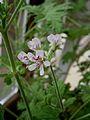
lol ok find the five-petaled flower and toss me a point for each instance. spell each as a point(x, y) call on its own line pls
point(36, 60)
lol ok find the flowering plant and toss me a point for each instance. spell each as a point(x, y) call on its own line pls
point(44, 94)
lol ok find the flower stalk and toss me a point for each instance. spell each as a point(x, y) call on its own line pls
point(57, 90)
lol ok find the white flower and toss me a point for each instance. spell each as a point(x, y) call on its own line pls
point(34, 44)
point(38, 61)
point(22, 56)
point(87, 55)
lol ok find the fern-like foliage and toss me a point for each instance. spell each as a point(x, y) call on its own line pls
point(50, 14)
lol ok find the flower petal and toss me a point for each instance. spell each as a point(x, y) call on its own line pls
point(51, 38)
point(37, 42)
point(63, 35)
point(40, 53)
point(31, 56)
point(47, 63)
point(41, 70)
point(32, 67)
point(34, 44)
point(62, 43)
point(22, 56)
point(30, 45)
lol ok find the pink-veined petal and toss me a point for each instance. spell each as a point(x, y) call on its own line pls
point(22, 56)
point(32, 67)
point(41, 70)
point(47, 63)
point(31, 57)
point(40, 53)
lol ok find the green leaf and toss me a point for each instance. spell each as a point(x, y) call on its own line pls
point(20, 105)
point(69, 102)
point(85, 93)
point(8, 78)
point(44, 112)
point(61, 86)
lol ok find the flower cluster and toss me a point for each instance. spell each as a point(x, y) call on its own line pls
point(58, 39)
point(39, 59)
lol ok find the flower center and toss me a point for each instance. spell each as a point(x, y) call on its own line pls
point(38, 60)
point(25, 57)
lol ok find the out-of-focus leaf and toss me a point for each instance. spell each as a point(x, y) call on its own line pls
point(69, 102)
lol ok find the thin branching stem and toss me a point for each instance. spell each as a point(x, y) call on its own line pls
point(57, 90)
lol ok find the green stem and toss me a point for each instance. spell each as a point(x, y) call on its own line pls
point(79, 110)
point(11, 59)
point(57, 90)
point(87, 115)
point(14, 13)
point(9, 111)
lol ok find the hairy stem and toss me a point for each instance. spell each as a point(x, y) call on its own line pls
point(11, 59)
point(57, 90)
